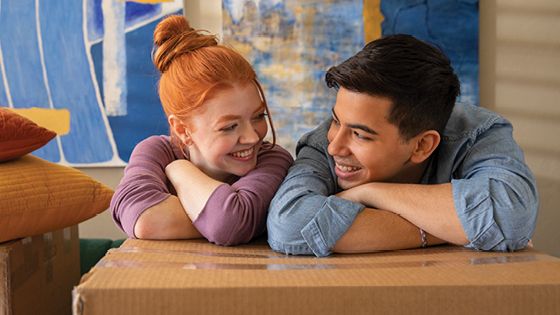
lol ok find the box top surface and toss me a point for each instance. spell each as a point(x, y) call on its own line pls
point(199, 264)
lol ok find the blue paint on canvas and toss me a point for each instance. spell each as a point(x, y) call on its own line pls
point(64, 60)
point(53, 66)
point(292, 44)
point(71, 84)
point(23, 70)
point(451, 25)
point(134, 13)
point(27, 86)
point(3, 96)
point(144, 106)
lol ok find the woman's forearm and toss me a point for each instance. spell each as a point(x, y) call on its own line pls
point(165, 220)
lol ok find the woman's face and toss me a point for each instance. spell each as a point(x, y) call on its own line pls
point(227, 135)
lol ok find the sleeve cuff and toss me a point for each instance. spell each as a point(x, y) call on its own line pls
point(474, 209)
point(329, 224)
point(489, 239)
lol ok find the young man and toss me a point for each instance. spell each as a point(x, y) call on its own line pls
point(400, 166)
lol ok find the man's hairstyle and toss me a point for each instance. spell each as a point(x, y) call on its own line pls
point(415, 76)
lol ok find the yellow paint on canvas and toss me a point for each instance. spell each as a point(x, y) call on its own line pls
point(284, 72)
point(372, 20)
point(57, 120)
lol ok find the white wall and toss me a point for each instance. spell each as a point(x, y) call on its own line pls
point(519, 78)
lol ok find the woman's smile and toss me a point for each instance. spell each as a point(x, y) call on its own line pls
point(244, 155)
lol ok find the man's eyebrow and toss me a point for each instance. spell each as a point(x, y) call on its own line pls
point(357, 126)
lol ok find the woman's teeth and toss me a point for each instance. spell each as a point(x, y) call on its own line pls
point(242, 154)
point(347, 169)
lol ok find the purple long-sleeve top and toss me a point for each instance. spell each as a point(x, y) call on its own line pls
point(234, 213)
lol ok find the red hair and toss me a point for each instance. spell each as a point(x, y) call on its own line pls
point(193, 66)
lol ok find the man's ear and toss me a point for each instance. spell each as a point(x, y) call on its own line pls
point(425, 144)
point(180, 129)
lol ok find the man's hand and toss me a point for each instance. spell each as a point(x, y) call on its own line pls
point(352, 194)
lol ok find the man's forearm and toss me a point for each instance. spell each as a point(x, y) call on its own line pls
point(376, 230)
point(429, 207)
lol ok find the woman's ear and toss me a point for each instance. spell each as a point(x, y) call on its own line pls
point(180, 129)
point(426, 143)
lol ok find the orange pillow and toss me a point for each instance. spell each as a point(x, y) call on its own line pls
point(37, 196)
point(19, 135)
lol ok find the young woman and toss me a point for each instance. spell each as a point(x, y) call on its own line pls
point(214, 176)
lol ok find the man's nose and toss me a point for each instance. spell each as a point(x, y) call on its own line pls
point(338, 145)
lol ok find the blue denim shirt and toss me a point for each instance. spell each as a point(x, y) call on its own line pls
point(494, 191)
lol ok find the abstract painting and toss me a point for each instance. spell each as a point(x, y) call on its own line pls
point(83, 67)
point(451, 25)
point(292, 43)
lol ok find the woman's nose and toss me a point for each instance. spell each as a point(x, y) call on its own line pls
point(249, 135)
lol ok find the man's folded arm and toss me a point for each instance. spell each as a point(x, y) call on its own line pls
point(496, 193)
point(490, 204)
point(377, 230)
point(306, 217)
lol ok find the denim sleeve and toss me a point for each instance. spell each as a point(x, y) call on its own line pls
point(496, 196)
point(304, 217)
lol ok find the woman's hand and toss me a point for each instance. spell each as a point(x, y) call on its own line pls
point(193, 187)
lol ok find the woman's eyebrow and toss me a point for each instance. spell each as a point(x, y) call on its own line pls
point(227, 118)
point(259, 109)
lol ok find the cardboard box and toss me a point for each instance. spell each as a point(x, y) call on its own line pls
point(195, 277)
point(37, 273)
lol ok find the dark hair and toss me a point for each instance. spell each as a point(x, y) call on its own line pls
point(415, 76)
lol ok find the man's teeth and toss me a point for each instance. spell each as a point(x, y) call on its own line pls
point(347, 169)
point(242, 154)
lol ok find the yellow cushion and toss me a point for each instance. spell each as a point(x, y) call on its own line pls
point(37, 196)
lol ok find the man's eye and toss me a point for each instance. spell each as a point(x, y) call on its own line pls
point(361, 137)
point(336, 122)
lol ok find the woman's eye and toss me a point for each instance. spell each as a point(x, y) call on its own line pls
point(229, 128)
point(260, 116)
point(336, 122)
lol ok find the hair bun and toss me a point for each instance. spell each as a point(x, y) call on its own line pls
point(173, 37)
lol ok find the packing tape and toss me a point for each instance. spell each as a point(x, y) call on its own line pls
point(22, 270)
point(49, 248)
point(196, 252)
point(114, 263)
point(50, 253)
point(67, 239)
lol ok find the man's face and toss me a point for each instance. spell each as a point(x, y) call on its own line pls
point(365, 146)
